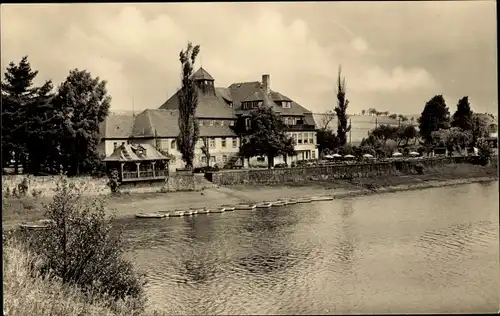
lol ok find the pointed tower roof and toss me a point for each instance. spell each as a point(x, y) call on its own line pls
point(202, 74)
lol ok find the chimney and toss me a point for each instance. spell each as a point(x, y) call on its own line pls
point(266, 83)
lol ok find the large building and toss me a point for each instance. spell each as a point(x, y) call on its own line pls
point(217, 111)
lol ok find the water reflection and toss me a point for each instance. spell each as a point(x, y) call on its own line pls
point(422, 251)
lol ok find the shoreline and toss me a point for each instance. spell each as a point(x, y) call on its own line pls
point(126, 206)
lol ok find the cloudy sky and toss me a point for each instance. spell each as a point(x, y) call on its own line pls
point(395, 55)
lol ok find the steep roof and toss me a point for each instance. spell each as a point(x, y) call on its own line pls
point(224, 93)
point(117, 126)
point(165, 123)
point(253, 91)
point(128, 152)
point(209, 106)
point(202, 74)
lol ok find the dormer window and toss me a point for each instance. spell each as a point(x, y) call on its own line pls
point(286, 104)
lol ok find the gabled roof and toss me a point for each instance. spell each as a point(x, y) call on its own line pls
point(116, 126)
point(163, 122)
point(209, 106)
point(224, 93)
point(253, 91)
point(202, 74)
point(128, 152)
point(166, 125)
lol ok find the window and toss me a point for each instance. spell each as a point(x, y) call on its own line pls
point(224, 158)
point(222, 123)
point(306, 138)
point(299, 136)
point(123, 143)
point(212, 159)
point(294, 138)
point(115, 144)
point(172, 144)
point(204, 159)
point(286, 104)
point(212, 143)
point(231, 123)
point(311, 138)
point(235, 142)
point(313, 154)
point(200, 122)
point(247, 122)
point(260, 103)
point(260, 159)
point(211, 122)
point(223, 142)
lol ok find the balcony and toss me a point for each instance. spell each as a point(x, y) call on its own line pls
point(301, 127)
point(130, 176)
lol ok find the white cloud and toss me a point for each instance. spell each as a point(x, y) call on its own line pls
point(399, 79)
point(137, 53)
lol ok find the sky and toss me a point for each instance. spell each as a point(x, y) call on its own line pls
point(395, 56)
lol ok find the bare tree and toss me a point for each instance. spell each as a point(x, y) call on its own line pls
point(326, 119)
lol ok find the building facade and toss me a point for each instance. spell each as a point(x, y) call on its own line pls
point(217, 111)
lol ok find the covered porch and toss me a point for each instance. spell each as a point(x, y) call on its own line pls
point(138, 163)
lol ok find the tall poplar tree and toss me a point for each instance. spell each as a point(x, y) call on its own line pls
point(188, 100)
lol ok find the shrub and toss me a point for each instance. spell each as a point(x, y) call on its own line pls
point(7, 193)
point(36, 193)
point(22, 188)
point(419, 168)
point(114, 181)
point(80, 248)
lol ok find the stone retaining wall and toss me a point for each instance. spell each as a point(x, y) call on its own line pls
point(45, 185)
point(340, 171)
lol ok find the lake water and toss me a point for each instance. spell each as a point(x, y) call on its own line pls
point(426, 251)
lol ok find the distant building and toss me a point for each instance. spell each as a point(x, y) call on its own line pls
point(217, 111)
point(361, 125)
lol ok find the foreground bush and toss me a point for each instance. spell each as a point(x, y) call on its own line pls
point(80, 249)
point(27, 292)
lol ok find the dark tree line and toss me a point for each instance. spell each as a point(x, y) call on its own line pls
point(46, 131)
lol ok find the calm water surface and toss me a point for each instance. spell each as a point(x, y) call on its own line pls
point(425, 251)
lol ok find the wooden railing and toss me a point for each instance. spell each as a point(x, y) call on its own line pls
point(144, 175)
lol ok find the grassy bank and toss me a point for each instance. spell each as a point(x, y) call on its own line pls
point(27, 294)
point(127, 205)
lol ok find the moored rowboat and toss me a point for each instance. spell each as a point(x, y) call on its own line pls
point(245, 207)
point(303, 200)
point(263, 205)
point(278, 203)
point(150, 215)
point(321, 198)
point(218, 210)
point(177, 214)
point(228, 207)
point(33, 226)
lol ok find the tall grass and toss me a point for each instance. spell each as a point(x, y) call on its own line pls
point(26, 292)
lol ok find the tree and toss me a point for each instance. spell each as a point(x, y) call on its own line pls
point(188, 100)
point(363, 112)
point(406, 133)
point(393, 116)
point(385, 132)
point(327, 140)
point(326, 119)
point(82, 103)
point(20, 99)
point(453, 139)
point(205, 149)
point(266, 136)
point(81, 247)
point(341, 110)
point(479, 129)
point(462, 117)
point(434, 117)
